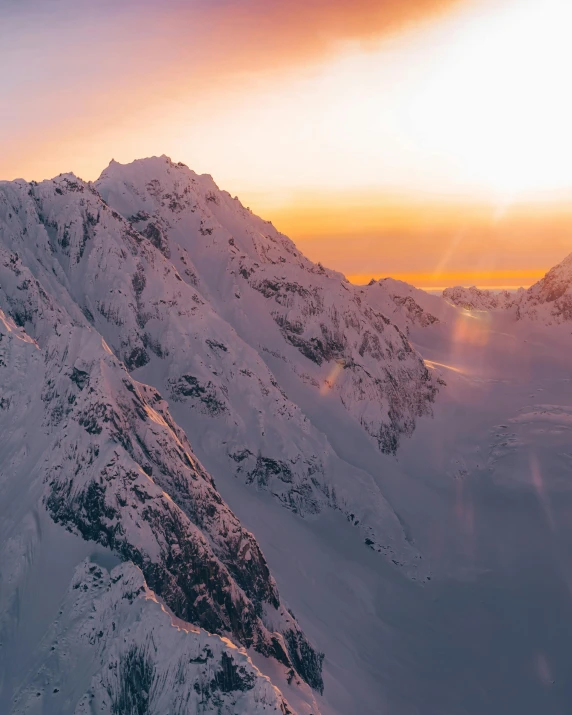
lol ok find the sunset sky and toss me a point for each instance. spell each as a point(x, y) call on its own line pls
point(424, 139)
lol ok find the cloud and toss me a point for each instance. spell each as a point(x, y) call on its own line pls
point(99, 74)
point(259, 35)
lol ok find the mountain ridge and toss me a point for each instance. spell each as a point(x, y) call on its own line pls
point(549, 300)
point(102, 314)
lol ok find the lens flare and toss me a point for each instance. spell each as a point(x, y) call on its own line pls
point(332, 377)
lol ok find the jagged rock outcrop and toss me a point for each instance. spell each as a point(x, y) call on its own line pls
point(110, 465)
point(137, 658)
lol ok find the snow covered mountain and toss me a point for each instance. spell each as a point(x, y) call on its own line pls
point(278, 301)
point(548, 301)
point(136, 657)
point(474, 298)
point(204, 433)
point(153, 282)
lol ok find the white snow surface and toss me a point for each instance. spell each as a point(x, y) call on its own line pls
point(406, 305)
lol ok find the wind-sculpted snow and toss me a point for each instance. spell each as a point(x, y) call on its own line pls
point(115, 649)
point(68, 258)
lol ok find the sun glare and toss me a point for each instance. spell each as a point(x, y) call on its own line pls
point(432, 140)
point(473, 104)
point(495, 99)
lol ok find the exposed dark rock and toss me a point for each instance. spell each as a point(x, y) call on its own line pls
point(188, 386)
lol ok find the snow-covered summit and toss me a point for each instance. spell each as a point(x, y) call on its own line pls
point(208, 303)
point(273, 296)
point(305, 324)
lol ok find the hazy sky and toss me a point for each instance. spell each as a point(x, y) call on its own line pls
point(427, 139)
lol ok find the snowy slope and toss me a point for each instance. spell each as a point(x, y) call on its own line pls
point(484, 488)
point(102, 455)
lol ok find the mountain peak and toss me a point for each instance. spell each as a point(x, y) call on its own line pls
point(163, 317)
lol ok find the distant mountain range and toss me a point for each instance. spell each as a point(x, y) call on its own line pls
point(548, 300)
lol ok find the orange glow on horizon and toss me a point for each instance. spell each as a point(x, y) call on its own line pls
point(430, 245)
point(432, 282)
point(420, 140)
